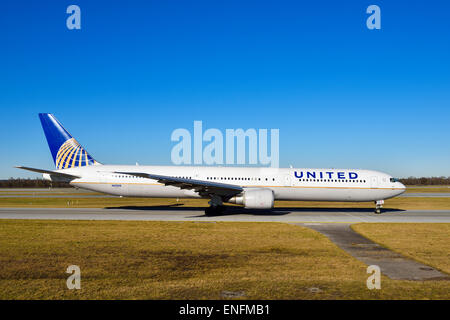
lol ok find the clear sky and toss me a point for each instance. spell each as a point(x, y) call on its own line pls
point(342, 96)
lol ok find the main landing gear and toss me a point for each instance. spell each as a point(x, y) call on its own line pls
point(216, 205)
point(378, 206)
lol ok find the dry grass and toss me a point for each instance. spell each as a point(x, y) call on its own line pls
point(428, 243)
point(169, 260)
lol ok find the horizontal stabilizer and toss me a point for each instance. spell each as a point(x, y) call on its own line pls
point(53, 173)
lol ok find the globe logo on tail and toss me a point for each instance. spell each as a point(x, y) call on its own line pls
point(71, 154)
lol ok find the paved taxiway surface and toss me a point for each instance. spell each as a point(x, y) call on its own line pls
point(62, 195)
point(392, 264)
point(172, 213)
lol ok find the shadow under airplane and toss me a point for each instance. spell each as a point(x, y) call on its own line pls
point(232, 210)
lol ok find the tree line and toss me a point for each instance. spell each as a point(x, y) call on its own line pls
point(41, 183)
point(426, 181)
point(32, 183)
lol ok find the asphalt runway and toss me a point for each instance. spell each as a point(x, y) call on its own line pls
point(30, 194)
point(174, 213)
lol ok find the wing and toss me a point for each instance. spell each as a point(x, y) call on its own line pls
point(53, 173)
point(204, 188)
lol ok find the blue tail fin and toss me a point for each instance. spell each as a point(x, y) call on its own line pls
point(66, 151)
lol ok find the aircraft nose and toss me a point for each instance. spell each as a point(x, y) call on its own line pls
point(402, 187)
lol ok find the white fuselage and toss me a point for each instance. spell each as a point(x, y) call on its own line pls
point(286, 183)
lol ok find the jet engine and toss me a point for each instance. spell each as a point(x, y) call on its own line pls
point(255, 199)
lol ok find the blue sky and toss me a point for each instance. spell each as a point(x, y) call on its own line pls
point(341, 95)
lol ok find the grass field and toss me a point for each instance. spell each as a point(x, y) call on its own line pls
point(170, 260)
point(416, 203)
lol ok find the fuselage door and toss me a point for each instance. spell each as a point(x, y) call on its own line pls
point(288, 180)
point(374, 182)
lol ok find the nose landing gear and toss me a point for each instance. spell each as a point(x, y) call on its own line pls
point(378, 206)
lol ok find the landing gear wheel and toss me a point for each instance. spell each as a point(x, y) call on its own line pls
point(378, 206)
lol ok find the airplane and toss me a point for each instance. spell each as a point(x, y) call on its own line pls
point(251, 187)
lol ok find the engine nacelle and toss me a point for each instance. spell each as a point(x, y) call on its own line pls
point(255, 199)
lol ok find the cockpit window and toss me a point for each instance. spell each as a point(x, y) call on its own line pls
point(394, 180)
